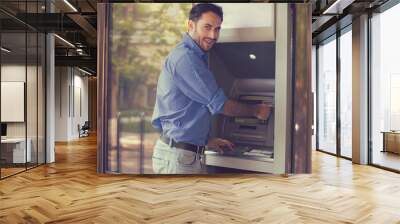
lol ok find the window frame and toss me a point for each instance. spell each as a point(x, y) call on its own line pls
point(334, 37)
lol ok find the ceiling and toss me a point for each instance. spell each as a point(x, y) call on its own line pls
point(331, 15)
point(76, 22)
point(73, 21)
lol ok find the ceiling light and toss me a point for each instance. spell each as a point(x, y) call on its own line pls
point(338, 6)
point(70, 5)
point(5, 50)
point(65, 41)
point(252, 56)
point(84, 71)
point(326, 11)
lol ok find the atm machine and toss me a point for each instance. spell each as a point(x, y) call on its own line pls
point(251, 65)
point(250, 82)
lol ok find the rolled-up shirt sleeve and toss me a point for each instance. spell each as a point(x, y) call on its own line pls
point(197, 82)
point(216, 105)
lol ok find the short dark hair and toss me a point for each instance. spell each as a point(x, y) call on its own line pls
point(198, 10)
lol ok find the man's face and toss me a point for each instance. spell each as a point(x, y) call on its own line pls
point(205, 31)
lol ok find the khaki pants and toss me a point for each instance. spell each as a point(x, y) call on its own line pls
point(171, 160)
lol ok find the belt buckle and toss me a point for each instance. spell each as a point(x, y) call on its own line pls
point(199, 152)
point(202, 155)
point(200, 149)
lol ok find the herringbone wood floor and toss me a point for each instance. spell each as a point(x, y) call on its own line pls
point(70, 191)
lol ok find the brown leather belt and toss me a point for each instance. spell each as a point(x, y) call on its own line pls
point(183, 145)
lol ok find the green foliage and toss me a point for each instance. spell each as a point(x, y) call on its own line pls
point(142, 36)
point(133, 125)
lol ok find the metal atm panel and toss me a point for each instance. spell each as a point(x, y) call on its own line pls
point(253, 138)
point(248, 81)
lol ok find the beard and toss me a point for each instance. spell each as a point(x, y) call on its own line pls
point(204, 43)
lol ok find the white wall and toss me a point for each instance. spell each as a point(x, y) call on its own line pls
point(17, 73)
point(61, 103)
point(79, 112)
point(33, 126)
point(12, 73)
point(71, 94)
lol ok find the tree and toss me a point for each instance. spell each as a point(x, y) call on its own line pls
point(142, 36)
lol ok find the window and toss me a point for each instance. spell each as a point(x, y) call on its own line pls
point(22, 66)
point(327, 97)
point(385, 88)
point(346, 94)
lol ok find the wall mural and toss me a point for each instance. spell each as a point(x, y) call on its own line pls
point(193, 88)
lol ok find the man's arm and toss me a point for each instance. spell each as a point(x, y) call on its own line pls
point(197, 82)
point(234, 108)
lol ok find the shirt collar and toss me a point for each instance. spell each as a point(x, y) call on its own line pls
point(187, 39)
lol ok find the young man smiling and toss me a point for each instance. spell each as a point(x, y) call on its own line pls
point(188, 95)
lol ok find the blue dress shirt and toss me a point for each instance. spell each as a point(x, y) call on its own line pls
point(187, 95)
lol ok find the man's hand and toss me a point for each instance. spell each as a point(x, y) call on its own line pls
point(220, 144)
point(236, 109)
point(262, 111)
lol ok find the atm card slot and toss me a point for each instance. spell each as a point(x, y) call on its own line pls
point(248, 136)
point(247, 127)
point(248, 121)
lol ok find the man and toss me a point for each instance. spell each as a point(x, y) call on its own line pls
point(188, 95)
